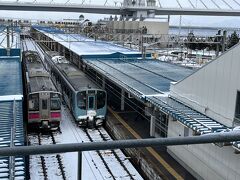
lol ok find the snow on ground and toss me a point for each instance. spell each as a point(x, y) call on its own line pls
point(35, 162)
point(36, 172)
point(93, 167)
point(71, 133)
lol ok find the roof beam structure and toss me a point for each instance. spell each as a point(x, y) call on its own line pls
point(118, 10)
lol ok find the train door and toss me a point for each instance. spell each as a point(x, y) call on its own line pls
point(91, 102)
point(44, 107)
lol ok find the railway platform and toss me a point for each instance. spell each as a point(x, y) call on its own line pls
point(156, 163)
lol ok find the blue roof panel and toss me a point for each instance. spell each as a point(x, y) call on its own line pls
point(147, 76)
point(6, 124)
point(10, 76)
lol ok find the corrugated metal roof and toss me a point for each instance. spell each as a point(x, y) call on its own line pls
point(6, 123)
point(189, 117)
point(148, 77)
point(86, 47)
point(11, 88)
point(10, 76)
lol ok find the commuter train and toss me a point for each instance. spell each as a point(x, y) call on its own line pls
point(87, 102)
point(43, 100)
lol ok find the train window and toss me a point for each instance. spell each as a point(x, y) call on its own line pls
point(82, 100)
point(91, 102)
point(91, 92)
point(33, 103)
point(55, 102)
point(101, 99)
point(44, 104)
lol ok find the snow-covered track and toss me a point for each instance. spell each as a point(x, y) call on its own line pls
point(101, 156)
point(109, 156)
point(105, 138)
point(51, 165)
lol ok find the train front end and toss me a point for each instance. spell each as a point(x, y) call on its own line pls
point(44, 110)
point(91, 107)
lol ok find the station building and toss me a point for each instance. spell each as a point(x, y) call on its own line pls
point(213, 91)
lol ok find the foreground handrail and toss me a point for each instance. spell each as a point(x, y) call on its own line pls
point(120, 144)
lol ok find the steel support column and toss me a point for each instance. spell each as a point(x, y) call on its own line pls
point(152, 125)
point(80, 165)
point(103, 82)
point(63, 51)
point(59, 48)
point(122, 100)
point(51, 45)
point(55, 46)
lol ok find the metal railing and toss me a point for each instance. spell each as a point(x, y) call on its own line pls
point(12, 144)
point(118, 144)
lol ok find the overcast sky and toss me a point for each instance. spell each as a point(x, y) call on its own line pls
point(187, 20)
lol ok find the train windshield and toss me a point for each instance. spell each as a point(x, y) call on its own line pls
point(55, 101)
point(101, 99)
point(82, 100)
point(33, 102)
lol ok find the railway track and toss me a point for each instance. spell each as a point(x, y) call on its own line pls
point(51, 165)
point(98, 135)
point(114, 162)
point(116, 165)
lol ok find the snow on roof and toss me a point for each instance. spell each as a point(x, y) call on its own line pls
point(153, 20)
point(11, 97)
point(86, 46)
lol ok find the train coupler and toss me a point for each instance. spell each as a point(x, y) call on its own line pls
point(45, 125)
